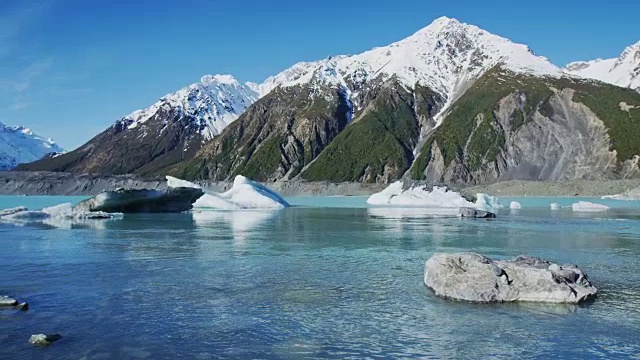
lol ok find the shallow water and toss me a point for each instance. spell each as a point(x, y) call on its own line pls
point(329, 278)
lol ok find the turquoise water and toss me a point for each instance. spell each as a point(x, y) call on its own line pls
point(328, 278)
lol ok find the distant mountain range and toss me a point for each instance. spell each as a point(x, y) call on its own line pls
point(450, 103)
point(20, 145)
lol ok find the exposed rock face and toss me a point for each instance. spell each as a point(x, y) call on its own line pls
point(475, 278)
point(167, 138)
point(141, 201)
point(275, 138)
point(509, 127)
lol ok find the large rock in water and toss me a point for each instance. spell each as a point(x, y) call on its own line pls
point(475, 278)
point(141, 201)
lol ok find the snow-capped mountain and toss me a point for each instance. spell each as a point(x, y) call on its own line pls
point(20, 145)
point(622, 71)
point(426, 105)
point(213, 103)
point(445, 56)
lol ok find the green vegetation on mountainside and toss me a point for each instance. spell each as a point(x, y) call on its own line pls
point(486, 139)
point(378, 143)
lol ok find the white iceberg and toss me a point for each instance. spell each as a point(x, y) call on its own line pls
point(437, 197)
point(555, 206)
point(487, 202)
point(62, 215)
point(629, 195)
point(585, 206)
point(515, 205)
point(245, 194)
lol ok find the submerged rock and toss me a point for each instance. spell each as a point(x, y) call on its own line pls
point(7, 301)
point(473, 277)
point(141, 201)
point(475, 213)
point(44, 339)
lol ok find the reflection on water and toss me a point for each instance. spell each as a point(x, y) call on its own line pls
point(310, 282)
point(398, 213)
point(240, 222)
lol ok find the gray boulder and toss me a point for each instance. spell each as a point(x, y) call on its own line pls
point(475, 213)
point(473, 277)
point(141, 201)
point(44, 339)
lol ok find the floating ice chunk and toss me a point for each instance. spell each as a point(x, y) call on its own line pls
point(585, 206)
point(59, 210)
point(426, 196)
point(515, 205)
point(11, 211)
point(418, 196)
point(62, 216)
point(629, 195)
point(488, 202)
point(245, 194)
point(555, 206)
point(173, 182)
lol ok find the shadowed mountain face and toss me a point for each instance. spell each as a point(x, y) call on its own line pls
point(165, 140)
point(451, 103)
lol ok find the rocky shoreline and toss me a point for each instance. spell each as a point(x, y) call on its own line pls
point(66, 184)
point(54, 183)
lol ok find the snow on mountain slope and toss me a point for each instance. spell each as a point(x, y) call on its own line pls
point(623, 71)
point(214, 102)
point(446, 56)
point(21, 145)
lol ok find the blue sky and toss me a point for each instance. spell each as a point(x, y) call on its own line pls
point(70, 68)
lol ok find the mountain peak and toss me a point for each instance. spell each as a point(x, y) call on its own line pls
point(444, 22)
point(445, 56)
point(19, 145)
point(213, 103)
point(222, 79)
point(622, 71)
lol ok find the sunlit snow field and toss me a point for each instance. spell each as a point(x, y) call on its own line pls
point(329, 277)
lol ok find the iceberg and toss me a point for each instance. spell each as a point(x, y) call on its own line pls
point(585, 206)
point(177, 199)
point(245, 194)
point(629, 195)
point(555, 206)
point(487, 202)
point(425, 196)
point(62, 215)
point(515, 205)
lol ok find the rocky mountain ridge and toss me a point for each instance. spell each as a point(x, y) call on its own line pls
point(451, 103)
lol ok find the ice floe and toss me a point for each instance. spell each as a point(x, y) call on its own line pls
point(425, 196)
point(245, 194)
point(585, 206)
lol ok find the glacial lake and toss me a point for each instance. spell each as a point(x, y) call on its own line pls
point(327, 278)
